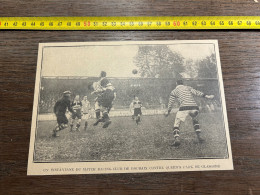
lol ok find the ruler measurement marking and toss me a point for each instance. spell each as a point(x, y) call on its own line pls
point(128, 23)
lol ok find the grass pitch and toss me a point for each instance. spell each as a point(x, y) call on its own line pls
point(124, 140)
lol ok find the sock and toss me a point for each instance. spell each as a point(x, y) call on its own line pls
point(196, 125)
point(176, 131)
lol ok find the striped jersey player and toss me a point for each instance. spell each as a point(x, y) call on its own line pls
point(76, 115)
point(188, 107)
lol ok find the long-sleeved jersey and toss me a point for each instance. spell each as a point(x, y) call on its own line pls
point(184, 95)
point(61, 106)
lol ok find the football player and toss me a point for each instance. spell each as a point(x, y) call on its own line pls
point(60, 108)
point(137, 106)
point(85, 110)
point(76, 115)
point(188, 107)
point(105, 99)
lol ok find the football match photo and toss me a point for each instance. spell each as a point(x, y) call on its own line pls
point(129, 102)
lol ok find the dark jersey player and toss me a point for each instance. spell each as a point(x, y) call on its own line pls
point(60, 109)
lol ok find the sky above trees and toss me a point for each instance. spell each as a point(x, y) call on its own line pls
point(117, 61)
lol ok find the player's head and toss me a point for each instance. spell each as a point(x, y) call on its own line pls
point(85, 97)
point(179, 82)
point(103, 74)
point(66, 94)
point(76, 98)
point(136, 98)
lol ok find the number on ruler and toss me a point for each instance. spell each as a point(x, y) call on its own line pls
point(68, 23)
point(140, 23)
point(256, 23)
point(149, 23)
point(212, 23)
point(104, 23)
point(42, 24)
point(167, 23)
point(131, 23)
point(176, 23)
point(113, 23)
point(15, 24)
point(77, 23)
point(33, 24)
point(203, 23)
point(50, 23)
point(239, 22)
point(59, 23)
point(248, 23)
point(122, 23)
point(194, 23)
point(221, 23)
point(95, 23)
point(24, 24)
point(230, 23)
point(6, 24)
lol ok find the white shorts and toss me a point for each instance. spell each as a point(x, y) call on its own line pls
point(182, 115)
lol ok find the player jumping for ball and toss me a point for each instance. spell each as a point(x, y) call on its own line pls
point(136, 105)
point(105, 99)
point(60, 109)
point(76, 115)
point(188, 107)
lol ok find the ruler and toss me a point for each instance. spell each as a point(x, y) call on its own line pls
point(130, 23)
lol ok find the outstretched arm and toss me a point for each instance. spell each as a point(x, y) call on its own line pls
point(200, 94)
point(196, 92)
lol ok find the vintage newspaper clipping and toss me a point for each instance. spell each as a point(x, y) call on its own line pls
point(129, 107)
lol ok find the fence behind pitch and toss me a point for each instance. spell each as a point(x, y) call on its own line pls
point(153, 92)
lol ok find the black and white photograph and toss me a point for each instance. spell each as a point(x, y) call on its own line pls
point(129, 106)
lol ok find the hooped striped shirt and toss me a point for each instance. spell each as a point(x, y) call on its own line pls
point(184, 94)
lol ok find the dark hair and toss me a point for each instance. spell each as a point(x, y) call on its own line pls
point(179, 82)
point(103, 74)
